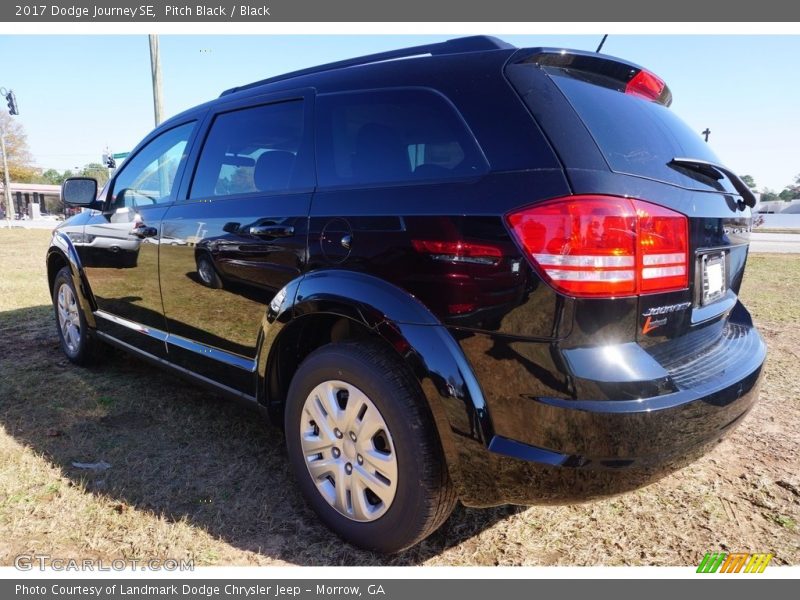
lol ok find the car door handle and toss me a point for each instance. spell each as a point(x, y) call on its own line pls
point(143, 231)
point(272, 231)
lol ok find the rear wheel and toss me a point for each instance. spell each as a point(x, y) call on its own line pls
point(72, 329)
point(364, 449)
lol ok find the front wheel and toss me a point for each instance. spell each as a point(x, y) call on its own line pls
point(72, 329)
point(364, 448)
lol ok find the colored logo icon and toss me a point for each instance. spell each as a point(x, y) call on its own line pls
point(737, 562)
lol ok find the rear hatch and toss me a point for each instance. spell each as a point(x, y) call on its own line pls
point(610, 123)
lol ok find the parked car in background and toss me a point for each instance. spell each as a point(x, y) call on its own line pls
point(482, 273)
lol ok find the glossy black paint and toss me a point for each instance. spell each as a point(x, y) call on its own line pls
point(605, 448)
point(537, 397)
point(62, 253)
point(497, 297)
point(446, 378)
point(123, 273)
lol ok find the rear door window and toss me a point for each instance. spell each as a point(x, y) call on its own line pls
point(637, 136)
point(392, 136)
point(257, 149)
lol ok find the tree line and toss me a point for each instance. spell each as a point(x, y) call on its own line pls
point(21, 166)
point(787, 194)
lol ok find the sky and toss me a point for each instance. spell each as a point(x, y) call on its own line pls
point(78, 94)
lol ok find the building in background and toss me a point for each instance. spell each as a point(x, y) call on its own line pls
point(34, 199)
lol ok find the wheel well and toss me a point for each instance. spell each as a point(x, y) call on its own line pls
point(296, 342)
point(55, 262)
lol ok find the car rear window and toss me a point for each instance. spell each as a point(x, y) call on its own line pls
point(637, 136)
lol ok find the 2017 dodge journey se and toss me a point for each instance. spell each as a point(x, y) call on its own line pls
point(480, 273)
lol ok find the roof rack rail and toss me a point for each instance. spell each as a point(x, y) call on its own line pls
point(476, 43)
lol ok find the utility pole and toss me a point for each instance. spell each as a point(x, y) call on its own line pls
point(6, 183)
point(706, 133)
point(155, 68)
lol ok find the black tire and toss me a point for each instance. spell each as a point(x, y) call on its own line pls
point(81, 352)
point(208, 273)
point(424, 495)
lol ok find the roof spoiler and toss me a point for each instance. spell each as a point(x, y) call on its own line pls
point(628, 77)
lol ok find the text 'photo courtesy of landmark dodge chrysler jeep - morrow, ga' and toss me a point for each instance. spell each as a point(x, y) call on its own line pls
point(481, 274)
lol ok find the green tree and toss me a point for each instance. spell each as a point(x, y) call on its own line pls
point(750, 182)
point(52, 177)
point(787, 194)
point(768, 195)
point(795, 189)
point(20, 161)
point(96, 171)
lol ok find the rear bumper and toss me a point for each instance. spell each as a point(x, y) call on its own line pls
point(546, 449)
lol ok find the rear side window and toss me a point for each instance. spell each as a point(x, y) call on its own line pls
point(637, 136)
point(254, 150)
point(392, 136)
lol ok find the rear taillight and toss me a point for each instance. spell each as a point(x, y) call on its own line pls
point(458, 251)
point(663, 238)
point(605, 246)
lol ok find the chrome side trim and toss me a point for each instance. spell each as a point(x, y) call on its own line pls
point(133, 325)
point(234, 360)
point(228, 358)
point(172, 366)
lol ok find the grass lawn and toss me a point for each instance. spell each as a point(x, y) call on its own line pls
point(193, 476)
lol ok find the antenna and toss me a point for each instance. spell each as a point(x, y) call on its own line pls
point(600, 47)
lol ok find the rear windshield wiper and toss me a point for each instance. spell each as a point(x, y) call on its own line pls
point(716, 171)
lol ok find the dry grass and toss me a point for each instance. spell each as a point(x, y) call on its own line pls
point(195, 477)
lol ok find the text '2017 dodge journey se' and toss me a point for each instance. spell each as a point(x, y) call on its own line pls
point(481, 273)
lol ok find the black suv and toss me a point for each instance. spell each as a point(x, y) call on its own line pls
point(479, 273)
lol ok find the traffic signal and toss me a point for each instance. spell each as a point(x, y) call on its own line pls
point(13, 109)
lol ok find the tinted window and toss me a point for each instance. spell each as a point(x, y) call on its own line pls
point(255, 149)
point(392, 136)
point(637, 136)
point(147, 178)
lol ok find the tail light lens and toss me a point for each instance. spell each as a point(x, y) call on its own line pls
point(663, 238)
point(605, 246)
point(459, 251)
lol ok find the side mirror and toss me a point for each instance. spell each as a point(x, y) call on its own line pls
point(80, 191)
point(231, 227)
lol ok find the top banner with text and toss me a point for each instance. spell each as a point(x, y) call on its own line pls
point(391, 11)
